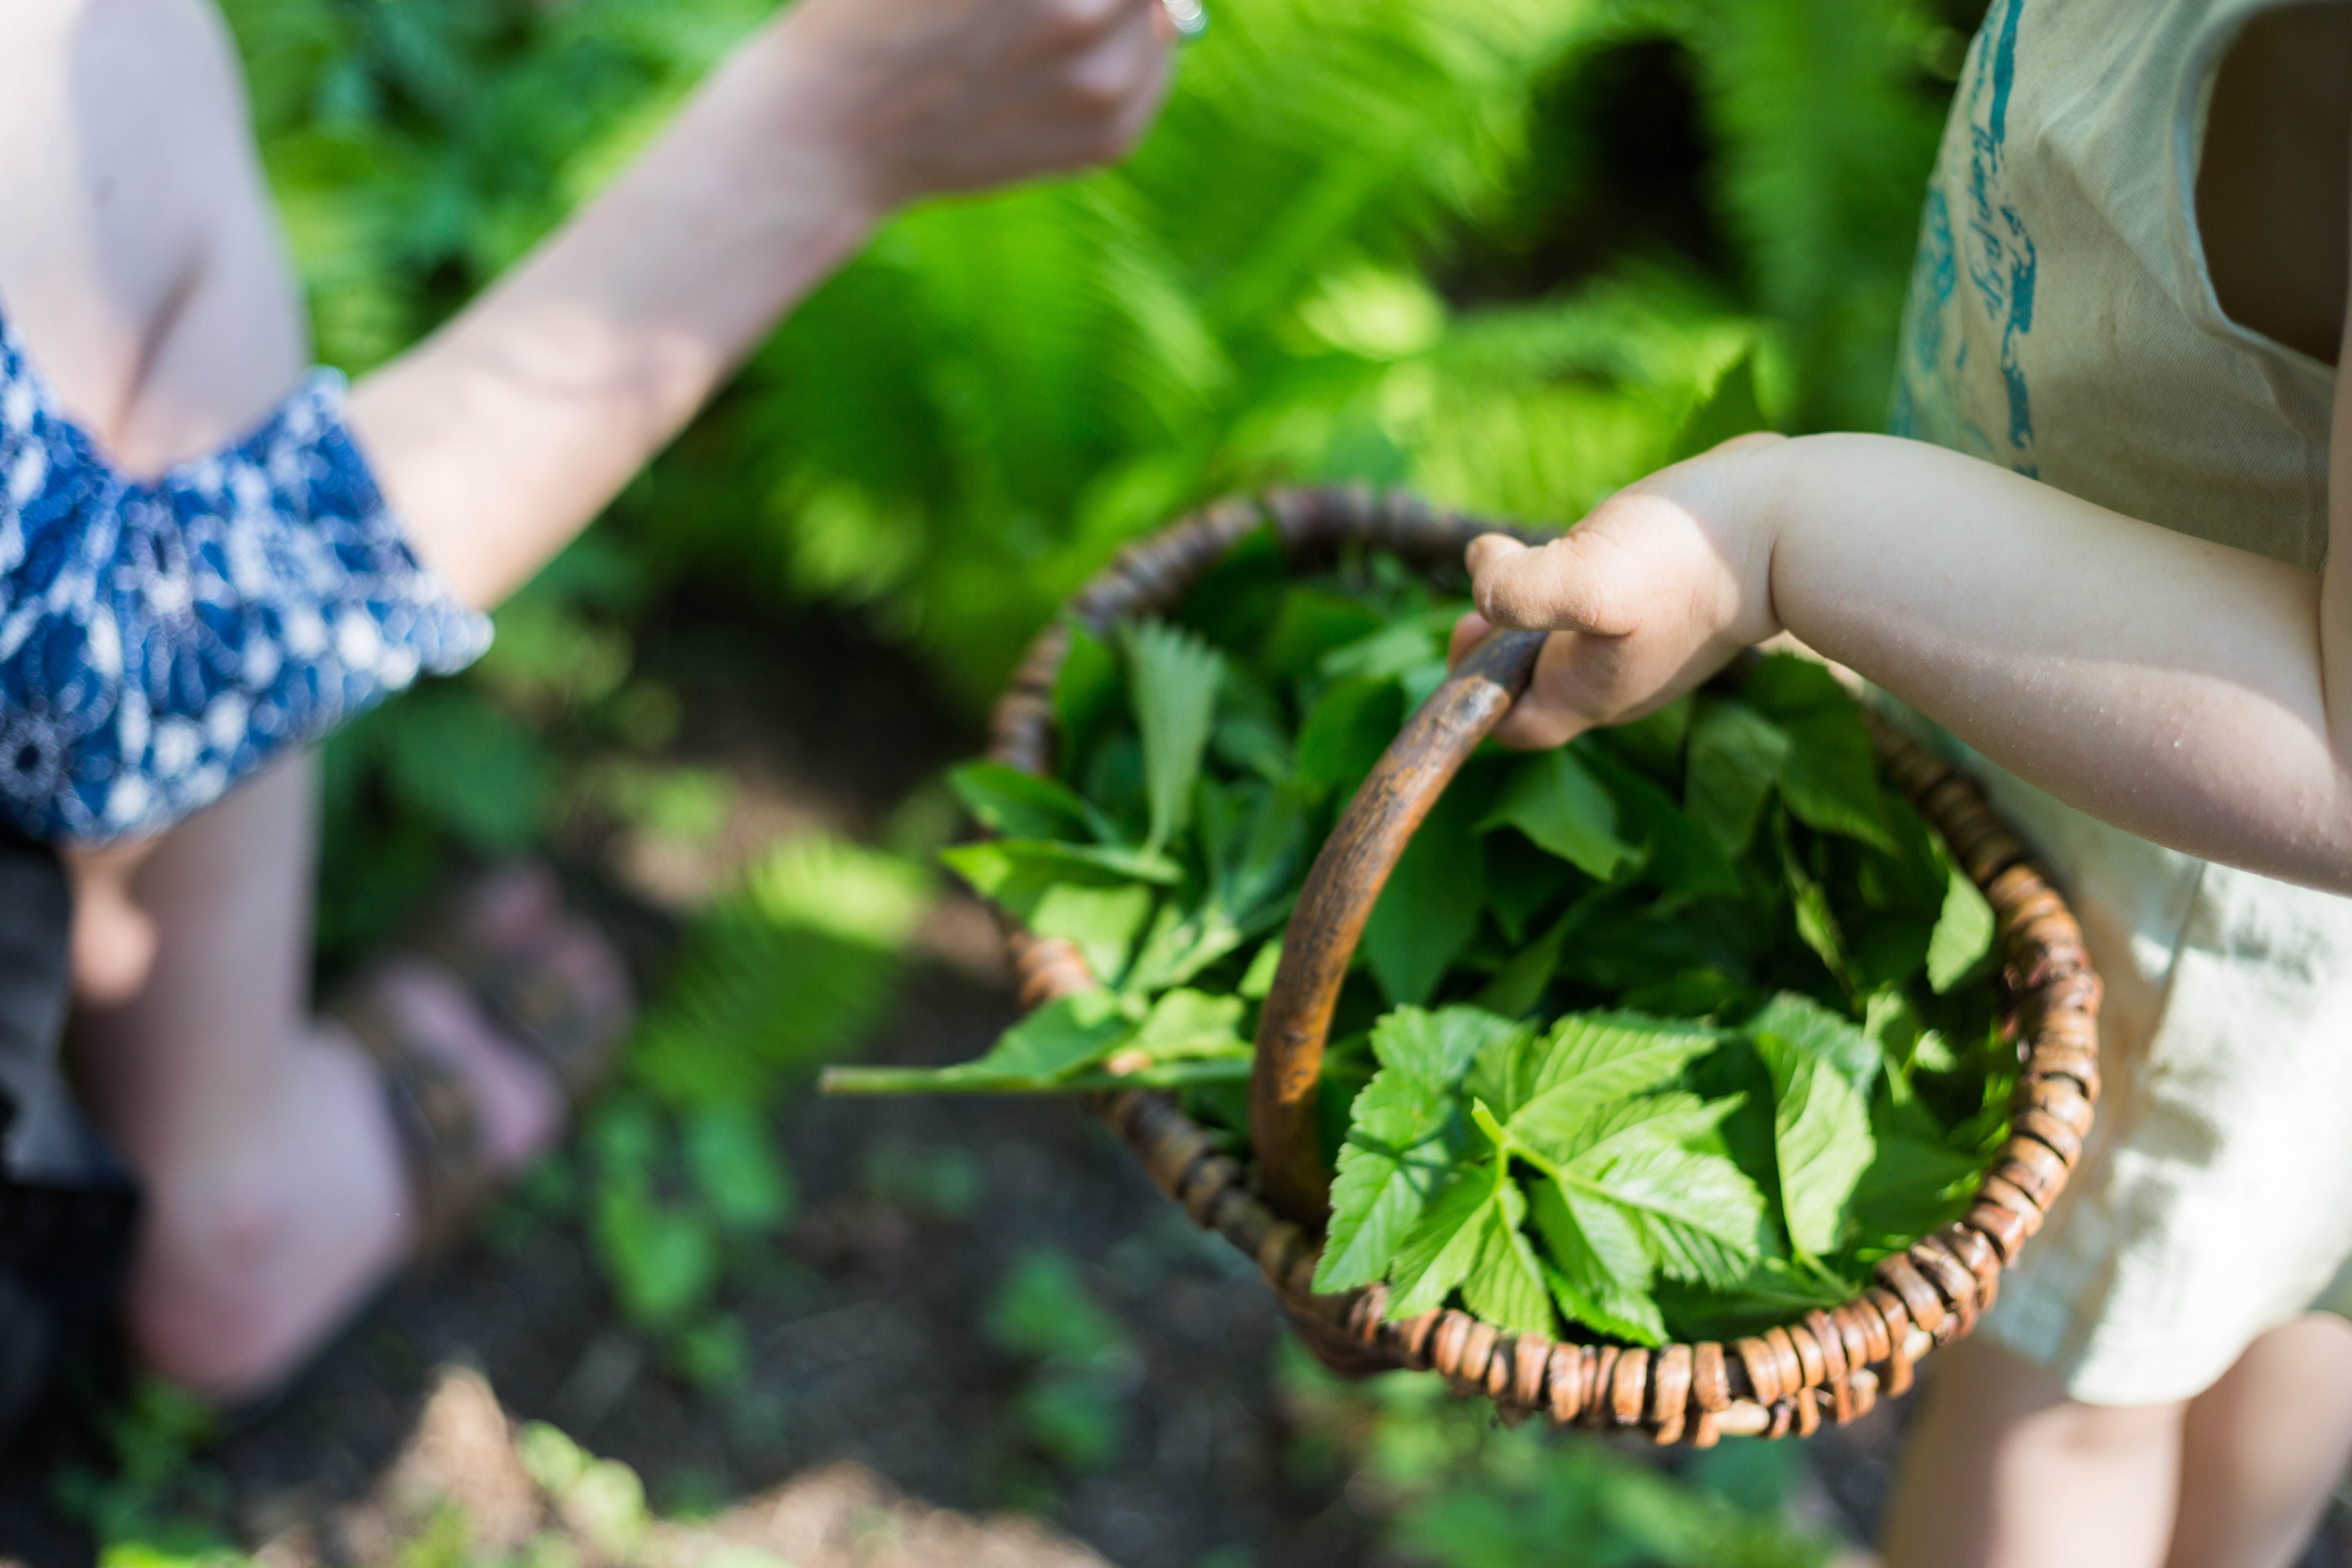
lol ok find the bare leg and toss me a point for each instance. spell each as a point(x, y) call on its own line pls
point(2002, 1470)
point(275, 1190)
point(2262, 1447)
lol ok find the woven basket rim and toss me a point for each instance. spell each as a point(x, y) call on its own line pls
point(1822, 1365)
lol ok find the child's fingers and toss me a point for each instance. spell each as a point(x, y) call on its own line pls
point(1593, 579)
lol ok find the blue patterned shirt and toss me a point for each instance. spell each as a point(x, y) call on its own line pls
point(160, 640)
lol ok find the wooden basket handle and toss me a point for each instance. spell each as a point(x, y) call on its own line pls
point(1337, 898)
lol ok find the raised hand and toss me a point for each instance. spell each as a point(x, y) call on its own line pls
point(950, 95)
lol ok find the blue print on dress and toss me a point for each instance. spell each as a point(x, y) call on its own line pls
point(2002, 261)
point(159, 641)
point(1936, 398)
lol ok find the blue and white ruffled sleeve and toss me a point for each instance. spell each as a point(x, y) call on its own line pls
point(159, 641)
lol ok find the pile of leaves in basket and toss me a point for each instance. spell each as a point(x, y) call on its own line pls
point(1669, 1033)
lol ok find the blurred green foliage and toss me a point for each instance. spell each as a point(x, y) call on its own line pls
point(1078, 1359)
point(1495, 249)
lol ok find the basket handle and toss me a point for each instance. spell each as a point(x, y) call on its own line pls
point(1337, 898)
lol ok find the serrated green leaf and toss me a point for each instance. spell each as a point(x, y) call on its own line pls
point(1821, 1143)
point(1016, 804)
point(1437, 1049)
point(1172, 678)
point(1963, 936)
point(1586, 1061)
point(1404, 1136)
point(1445, 1243)
point(1562, 809)
point(1735, 759)
point(1566, 1132)
point(1600, 1268)
point(1697, 1211)
point(1506, 1287)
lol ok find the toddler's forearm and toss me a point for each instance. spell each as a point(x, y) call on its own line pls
point(2186, 691)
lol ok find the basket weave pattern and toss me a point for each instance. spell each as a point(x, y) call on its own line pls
point(1826, 1367)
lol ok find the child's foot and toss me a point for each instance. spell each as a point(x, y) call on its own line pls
point(251, 1260)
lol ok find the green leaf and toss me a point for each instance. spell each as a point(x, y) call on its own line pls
point(468, 767)
point(1403, 1138)
point(1345, 733)
point(1696, 1211)
point(1258, 980)
point(1173, 678)
point(1057, 1040)
point(1584, 1061)
point(1601, 1267)
point(1506, 1286)
point(1087, 692)
point(1430, 908)
point(1015, 872)
point(1735, 758)
point(1963, 937)
point(1398, 647)
point(1683, 856)
point(1553, 800)
point(1312, 623)
point(1913, 1186)
point(1520, 983)
point(1191, 1024)
point(1446, 1243)
point(1817, 922)
point(1254, 839)
point(1436, 1049)
point(1100, 922)
point(1815, 1030)
point(1829, 777)
point(1821, 1143)
point(1016, 804)
point(1774, 1293)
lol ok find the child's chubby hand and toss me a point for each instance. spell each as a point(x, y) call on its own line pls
point(1655, 590)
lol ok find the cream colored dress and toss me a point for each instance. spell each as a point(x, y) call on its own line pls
point(2062, 323)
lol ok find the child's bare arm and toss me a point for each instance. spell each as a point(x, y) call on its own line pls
point(503, 434)
point(2196, 695)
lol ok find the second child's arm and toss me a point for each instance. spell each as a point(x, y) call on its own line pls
point(2193, 694)
point(502, 434)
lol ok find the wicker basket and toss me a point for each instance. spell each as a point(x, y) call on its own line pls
point(1828, 1366)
